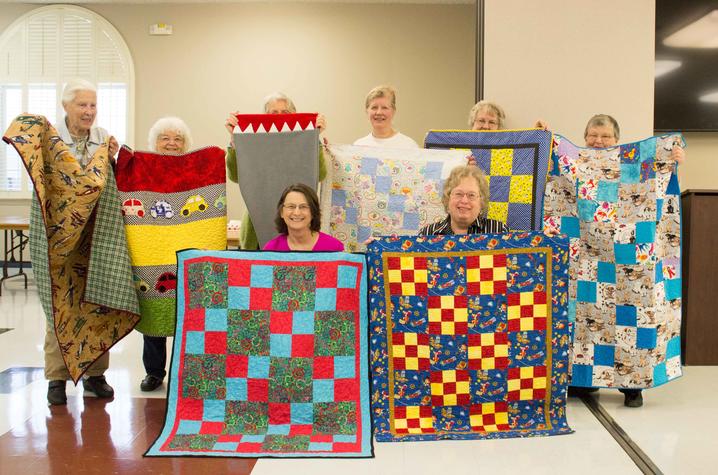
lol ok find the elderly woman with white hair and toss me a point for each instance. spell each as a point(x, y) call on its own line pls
point(380, 105)
point(487, 115)
point(275, 103)
point(84, 139)
point(168, 136)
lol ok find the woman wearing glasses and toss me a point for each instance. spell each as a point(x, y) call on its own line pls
point(465, 198)
point(486, 115)
point(298, 221)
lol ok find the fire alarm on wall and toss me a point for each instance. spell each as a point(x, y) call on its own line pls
point(160, 29)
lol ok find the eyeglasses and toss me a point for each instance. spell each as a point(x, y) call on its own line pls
point(291, 208)
point(167, 138)
point(460, 195)
point(602, 137)
point(492, 123)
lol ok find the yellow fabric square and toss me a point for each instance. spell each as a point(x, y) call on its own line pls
point(499, 273)
point(487, 339)
point(501, 350)
point(461, 315)
point(412, 412)
point(447, 301)
point(526, 298)
point(527, 324)
point(486, 288)
point(472, 275)
point(408, 289)
point(526, 372)
point(448, 376)
point(514, 384)
point(462, 387)
point(447, 328)
point(421, 276)
point(526, 394)
point(426, 422)
point(398, 351)
point(514, 312)
point(488, 363)
point(450, 400)
point(394, 276)
point(486, 261)
point(423, 351)
point(540, 310)
point(415, 430)
point(474, 352)
point(498, 211)
point(437, 389)
point(520, 189)
point(434, 314)
point(400, 423)
point(502, 160)
point(410, 338)
point(502, 417)
point(412, 363)
point(406, 263)
point(539, 383)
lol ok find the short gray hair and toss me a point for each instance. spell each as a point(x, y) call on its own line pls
point(73, 86)
point(600, 120)
point(492, 107)
point(278, 96)
point(174, 124)
point(381, 91)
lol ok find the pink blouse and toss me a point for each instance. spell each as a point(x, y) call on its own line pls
point(324, 243)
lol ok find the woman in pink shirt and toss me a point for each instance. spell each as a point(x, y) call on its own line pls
point(298, 221)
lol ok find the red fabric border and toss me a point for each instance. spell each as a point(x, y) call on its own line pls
point(148, 171)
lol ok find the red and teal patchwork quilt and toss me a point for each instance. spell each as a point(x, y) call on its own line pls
point(269, 358)
point(468, 336)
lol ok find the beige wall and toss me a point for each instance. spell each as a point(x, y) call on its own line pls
point(565, 61)
point(558, 60)
point(226, 57)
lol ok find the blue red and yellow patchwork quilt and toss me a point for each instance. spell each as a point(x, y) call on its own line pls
point(270, 357)
point(469, 336)
point(515, 163)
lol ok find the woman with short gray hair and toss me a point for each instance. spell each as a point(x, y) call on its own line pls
point(380, 105)
point(487, 115)
point(466, 201)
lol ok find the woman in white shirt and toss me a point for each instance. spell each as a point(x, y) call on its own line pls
point(380, 106)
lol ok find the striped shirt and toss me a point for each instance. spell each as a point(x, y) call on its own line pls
point(480, 226)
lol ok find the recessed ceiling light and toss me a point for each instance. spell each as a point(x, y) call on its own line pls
point(711, 97)
point(665, 66)
point(702, 33)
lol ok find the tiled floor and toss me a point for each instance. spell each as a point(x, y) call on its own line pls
point(675, 428)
